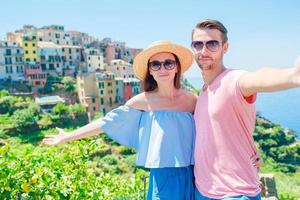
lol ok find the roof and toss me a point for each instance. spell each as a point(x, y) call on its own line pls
point(49, 100)
point(48, 45)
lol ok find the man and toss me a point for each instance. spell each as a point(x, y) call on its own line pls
point(225, 117)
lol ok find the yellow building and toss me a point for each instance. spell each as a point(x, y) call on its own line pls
point(30, 49)
point(88, 93)
point(97, 92)
point(106, 84)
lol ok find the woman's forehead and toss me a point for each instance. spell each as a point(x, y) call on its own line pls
point(162, 55)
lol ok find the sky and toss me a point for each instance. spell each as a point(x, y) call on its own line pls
point(261, 33)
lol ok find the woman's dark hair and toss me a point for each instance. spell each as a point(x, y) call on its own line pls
point(150, 84)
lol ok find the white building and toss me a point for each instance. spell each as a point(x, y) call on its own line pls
point(51, 61)
point(11, 61)
point(94, 60)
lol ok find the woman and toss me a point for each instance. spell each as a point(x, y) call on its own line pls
point(158, 123)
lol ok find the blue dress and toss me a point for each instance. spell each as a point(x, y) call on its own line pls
point(164, 141)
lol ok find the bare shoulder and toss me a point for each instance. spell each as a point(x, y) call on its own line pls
point(191, 100)
point(138, 102)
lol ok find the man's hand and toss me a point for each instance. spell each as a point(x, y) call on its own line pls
point(297, 71)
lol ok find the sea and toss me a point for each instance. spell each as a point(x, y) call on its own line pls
point(279, 107)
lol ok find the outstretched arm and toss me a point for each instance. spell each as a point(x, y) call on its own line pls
point(88, 130)
point(270, 80)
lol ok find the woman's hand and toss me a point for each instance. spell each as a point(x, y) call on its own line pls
point(257, 161)
point(55, 139)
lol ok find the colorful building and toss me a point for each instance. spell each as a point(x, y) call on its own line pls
point(121, 69)
point(50, 56)
point(88, 93)
point(132, 87)
point(52, 33)
point(94, 60)
point(11, 61)
point(30, 49)
point(120, 90)
point(36, 77)
point(107, 91)
point(72, 57)
point(110, 53)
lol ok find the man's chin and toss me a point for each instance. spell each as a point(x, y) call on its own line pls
point(206, 67)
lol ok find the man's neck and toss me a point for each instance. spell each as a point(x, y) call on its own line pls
point(210, 75)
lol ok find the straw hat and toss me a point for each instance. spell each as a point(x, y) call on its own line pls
point(140, 64)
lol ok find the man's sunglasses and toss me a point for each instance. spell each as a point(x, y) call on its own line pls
point(168, 64)
point(211, 45)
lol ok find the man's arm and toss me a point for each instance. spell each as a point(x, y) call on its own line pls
point(270, 80)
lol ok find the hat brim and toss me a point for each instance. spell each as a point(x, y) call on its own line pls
point(140, 64)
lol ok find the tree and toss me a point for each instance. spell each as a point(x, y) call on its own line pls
point(69, 84)
point(60, 109)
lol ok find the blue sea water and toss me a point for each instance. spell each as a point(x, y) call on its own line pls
point(280, 107)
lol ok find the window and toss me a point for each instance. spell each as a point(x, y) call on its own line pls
point(63, 49)
point(94, 108)
point(18, 51)
point(109, 84)
point(51, 66)
point(8, 52)
point(43, 66)
point(102, 101)
point(26, 44)
point(33, 52)
point(110, 100)
point(101, 84)
point(101, 91)
point(89, 58)
point(8, 69)
point(70, 50)
point(26, 52)
point(33, 44)
point(93, 100)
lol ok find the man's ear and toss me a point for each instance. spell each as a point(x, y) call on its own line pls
point(225, 47)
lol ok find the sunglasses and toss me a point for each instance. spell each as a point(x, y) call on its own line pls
point(211, 45)
point(168, 64)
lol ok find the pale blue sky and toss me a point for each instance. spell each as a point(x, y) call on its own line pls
point(261, 33)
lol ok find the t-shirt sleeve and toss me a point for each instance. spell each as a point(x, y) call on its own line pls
point(122, 125)
point(237, 91)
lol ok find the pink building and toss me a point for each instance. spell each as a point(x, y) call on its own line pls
point(35, 76)
point(127, 90)
point(110, 52)
point(121, 69)
point(134, 52)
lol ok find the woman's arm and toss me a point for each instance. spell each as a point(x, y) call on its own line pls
point(91, 129)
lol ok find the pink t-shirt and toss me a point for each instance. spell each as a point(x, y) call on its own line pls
point(225, 121)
